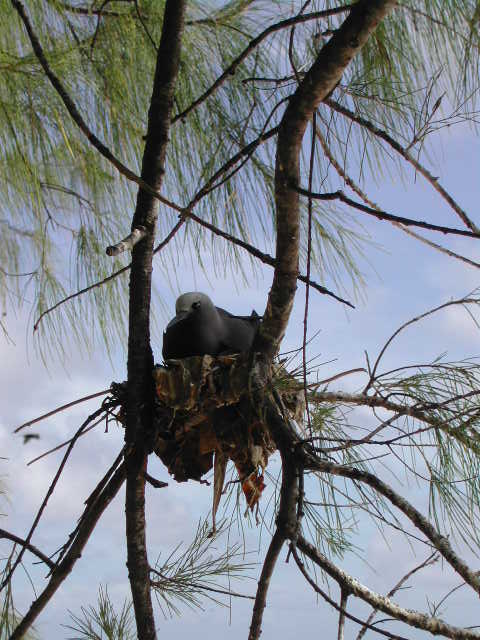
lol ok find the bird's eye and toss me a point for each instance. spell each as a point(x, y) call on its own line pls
point(196, 305)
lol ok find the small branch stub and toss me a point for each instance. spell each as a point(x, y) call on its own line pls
point(127, 243)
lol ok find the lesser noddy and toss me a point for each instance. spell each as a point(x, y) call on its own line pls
point(200, 328)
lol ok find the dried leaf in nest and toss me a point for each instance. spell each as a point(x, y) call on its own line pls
point(204, 409)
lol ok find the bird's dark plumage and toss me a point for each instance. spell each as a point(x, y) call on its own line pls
point(200, 328)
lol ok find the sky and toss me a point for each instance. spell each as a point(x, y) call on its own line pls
point(406, 278)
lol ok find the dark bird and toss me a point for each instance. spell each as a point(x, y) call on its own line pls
point(201, 328)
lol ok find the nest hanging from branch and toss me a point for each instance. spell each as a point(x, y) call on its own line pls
point(205, 416)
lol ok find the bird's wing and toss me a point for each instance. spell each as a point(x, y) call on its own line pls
point(254, 317)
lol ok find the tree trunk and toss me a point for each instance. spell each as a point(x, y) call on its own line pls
point(140, 357)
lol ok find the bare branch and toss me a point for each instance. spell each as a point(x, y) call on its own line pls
point(432, 558)
point(269, 563)
point(127, 243)
point(380, 133)
point(284, 24)
point(260, 255)
point(36, 552)
point(352, 184)
point(383, 215)
point(451, 303)
point(410, 617)
point(342, 611)
point(64, 444)
point(51, 489)
point(114, 275)
point(286, 521)
point(440, 542)
point(74, 553)
point(62, 408)
point(341, 617)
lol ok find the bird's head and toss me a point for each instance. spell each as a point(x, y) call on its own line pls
point(193, 303)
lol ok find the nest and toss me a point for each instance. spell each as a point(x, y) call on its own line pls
point(205, 416)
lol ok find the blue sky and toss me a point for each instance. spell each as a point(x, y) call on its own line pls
point(407, 279)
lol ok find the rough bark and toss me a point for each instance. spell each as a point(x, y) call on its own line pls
point(140, 358)
point(320, 80)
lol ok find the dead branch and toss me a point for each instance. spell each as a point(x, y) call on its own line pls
point(51, 488)
point(62, 408)
point(458, 302)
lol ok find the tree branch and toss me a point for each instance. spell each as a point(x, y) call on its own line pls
point(62, 408)
point(269, 563)
point(51, 489)
point(383, 215)
point(354, 187)
point(253, 44)
point(76, 115)
point(321, 78)
point(286, 521)
point(36, 552)
point(380, 133)
point(341, 610)
point(410, 617)
point(440, 542)
point(63, 569)
point(432, 558)
point(127, 243)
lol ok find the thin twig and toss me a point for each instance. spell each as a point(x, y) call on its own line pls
point(380, 133)
point(354, 186)
point(451, 303)
point(64, 444)
point(36, 552)
point(409, 616)
point(62, 408)
point(284, 24)
point(432, 558)
point(332, 602)
point(440, 542)
point(114, 275)
point(263, 257)
point(383, 215)
point(50, 490)
point(74, 553)
point(90, 503)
